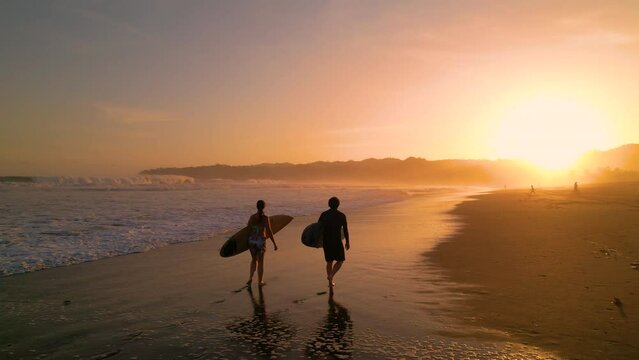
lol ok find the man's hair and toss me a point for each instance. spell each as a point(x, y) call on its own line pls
point(333, 203)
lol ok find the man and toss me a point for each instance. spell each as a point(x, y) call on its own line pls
point(333, 221)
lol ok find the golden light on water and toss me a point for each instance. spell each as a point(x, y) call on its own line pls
point(551, 132)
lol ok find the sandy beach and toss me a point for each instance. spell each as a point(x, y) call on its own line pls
point(555, 269)
point(184, 301)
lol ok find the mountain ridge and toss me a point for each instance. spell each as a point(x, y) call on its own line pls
point(621, 163)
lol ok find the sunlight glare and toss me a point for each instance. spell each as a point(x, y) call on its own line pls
point(550, 132)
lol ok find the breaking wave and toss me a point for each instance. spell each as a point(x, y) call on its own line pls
point(91, 182)
point(56, 221)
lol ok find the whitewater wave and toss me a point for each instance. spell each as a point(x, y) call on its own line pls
point(95, 182)
point(55, 221)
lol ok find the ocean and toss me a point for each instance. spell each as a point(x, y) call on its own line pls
point(57, 221)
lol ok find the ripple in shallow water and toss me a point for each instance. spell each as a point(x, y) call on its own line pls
point(259, 334)
point(264, 334)
point(334, 337)
point(272, 336)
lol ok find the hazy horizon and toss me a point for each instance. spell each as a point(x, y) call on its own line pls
point(613, 165)
point(583, 163)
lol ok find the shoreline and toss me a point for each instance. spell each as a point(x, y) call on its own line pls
point(546, 269)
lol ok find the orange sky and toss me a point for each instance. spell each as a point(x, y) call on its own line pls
point(113, 88)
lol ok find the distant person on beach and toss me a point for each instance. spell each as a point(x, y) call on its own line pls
point(576, 188)
point(260, 230)
point(532, 189)
point(333, 221)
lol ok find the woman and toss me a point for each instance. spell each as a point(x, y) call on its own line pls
point(260, 229)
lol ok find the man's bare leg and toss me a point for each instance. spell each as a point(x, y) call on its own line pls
point(336, 267)
point(252, 271)
point(329, 273)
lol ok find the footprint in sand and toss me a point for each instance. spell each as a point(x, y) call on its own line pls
point(240, 289)
point(300, 301)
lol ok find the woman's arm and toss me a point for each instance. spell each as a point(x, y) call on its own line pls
point(269, 232)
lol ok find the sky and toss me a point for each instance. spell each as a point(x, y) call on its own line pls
point(109, 88)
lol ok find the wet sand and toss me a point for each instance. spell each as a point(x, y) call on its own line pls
point(546, 269)
point(184, 301)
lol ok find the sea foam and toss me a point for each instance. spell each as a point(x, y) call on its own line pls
point(57, 221)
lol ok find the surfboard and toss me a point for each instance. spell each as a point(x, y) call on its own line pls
point(313, 235)
point(238, 243)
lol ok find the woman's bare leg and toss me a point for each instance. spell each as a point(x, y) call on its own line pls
point(260, 267)
point(253, 265)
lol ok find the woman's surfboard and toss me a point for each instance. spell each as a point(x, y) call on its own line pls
point(238, 243)
point(313, 235)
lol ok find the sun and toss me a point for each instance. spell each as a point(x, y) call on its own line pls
point(550, 132)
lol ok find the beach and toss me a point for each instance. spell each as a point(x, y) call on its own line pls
point(485, 154)
point(556, 269)
point(184, 301)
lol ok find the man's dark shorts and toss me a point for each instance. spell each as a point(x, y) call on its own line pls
point(334, 250)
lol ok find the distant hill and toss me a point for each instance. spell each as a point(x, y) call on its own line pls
point(415, 171)
point(625, 157)
point(618, 164)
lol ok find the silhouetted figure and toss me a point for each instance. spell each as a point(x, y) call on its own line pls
point(333, 222)
point(267, 334)
point(576, 188)
point(260, 230)
point(532, 190)
point(334, 337)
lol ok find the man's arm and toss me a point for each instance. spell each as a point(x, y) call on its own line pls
point(345, 225)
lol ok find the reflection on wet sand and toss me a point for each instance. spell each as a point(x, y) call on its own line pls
point(334, 337)
point(266, 334)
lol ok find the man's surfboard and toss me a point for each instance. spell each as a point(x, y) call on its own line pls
point(313, 235)
point(238, 243)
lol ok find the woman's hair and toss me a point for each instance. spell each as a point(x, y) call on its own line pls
point(333, 203)
point(260, 207)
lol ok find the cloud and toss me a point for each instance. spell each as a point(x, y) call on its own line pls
point(109, 22)
point(356, 145)
point(132, 115)
point(598, 28)
point(364, 130)
point(601, 38)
